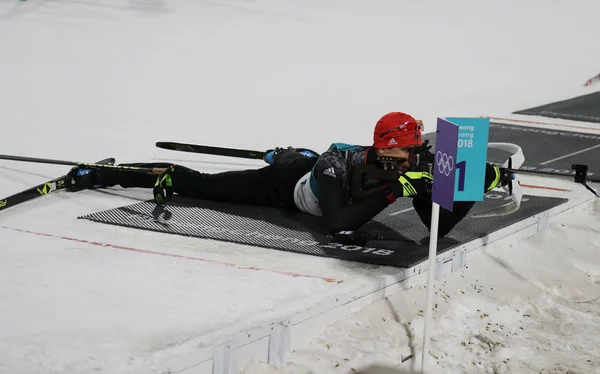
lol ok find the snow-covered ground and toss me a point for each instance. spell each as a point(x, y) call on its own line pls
point(84, 80)
point(528, 307)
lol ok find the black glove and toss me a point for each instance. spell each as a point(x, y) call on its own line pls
point(496, 176)
point(163, 188)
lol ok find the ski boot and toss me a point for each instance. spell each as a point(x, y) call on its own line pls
point(272, 155)
point(84, 178)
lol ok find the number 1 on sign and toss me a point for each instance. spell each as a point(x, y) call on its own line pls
point(461, 167)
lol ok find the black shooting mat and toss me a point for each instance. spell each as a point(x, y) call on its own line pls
point(584, 108)
point(301, 233)
point(552, 151)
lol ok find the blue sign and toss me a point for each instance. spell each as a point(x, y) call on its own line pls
point(471, 157)
point(444, 166)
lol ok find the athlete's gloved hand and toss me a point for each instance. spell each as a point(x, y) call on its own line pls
point(163, 188)
point(496, 176)
point(410, 184)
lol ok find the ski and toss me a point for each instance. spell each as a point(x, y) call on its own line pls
point(136, 169)
point(41, 189)
point(210, 150)
point(267, 156)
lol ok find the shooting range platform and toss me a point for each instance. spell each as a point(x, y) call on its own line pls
point(548, 151)
point(406, 242)
point(585, 108)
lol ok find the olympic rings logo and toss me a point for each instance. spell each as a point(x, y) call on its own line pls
point(444, 162)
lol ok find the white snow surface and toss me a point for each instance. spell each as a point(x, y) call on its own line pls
point(85, 80)
point(528, 307)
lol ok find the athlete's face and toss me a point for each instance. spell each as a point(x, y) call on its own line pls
point(399, 152)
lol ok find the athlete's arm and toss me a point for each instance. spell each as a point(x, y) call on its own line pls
point(341, 216)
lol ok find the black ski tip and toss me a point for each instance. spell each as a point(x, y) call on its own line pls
point(109, 160)
point(167, 145)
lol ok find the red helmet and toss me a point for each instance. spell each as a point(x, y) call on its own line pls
point(397, 129)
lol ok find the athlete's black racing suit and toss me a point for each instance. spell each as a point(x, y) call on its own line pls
point(299, 181)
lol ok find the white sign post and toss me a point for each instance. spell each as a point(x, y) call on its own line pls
point(444, 176)
point(435, 214)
